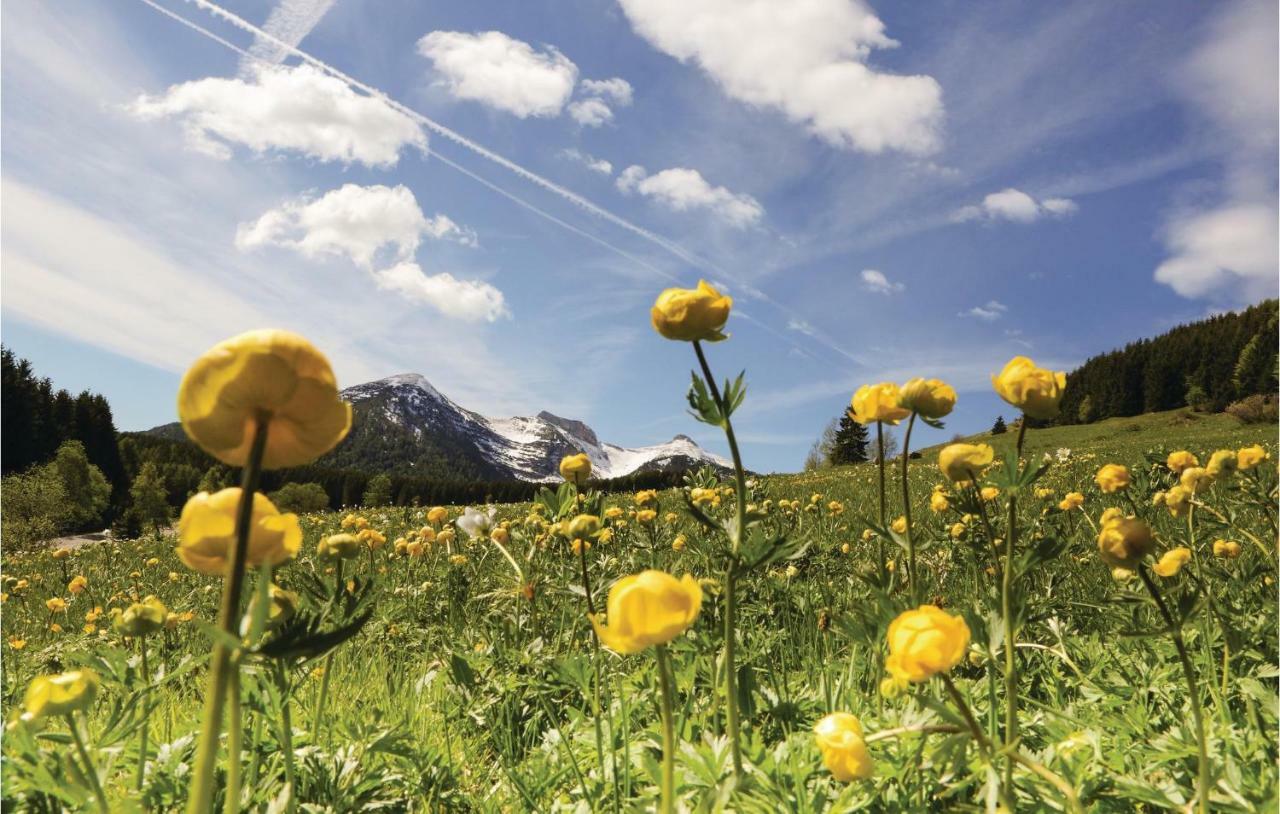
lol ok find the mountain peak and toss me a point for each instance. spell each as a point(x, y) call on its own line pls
point(408, 379)
point(575, 428)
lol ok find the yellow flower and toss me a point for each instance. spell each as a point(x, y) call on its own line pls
point(938, 503)
point(646, 497)
point(62, 694)
point(575, 468)
point(1177, 500)
point(845, 548)
point(415, 549)
point(446, 537)
point(207, 532)
point(646, 517)
point(265, 375)
point(924, 642)
point(141, 618)
point(691, 314)
point(349, 521)
point(1180, 460)
point(679, 543)
point(60, 553)
point(648, 608)
point(868, 535)
point(1226, 549)
point(438, 515)
point(1195, 479)
point(928, 398)
point(77, 585)
point(337, 547)
point(16, 643)
point(958, 530)
point(1110, 515)
point(1124, 541)
point(582, 527)
point(500, 535)
point(1032, 389)
point(458, 559)
point(1112, 478)
point(1044, 493)
point(1172, 561)
point(878, 402)
point(835, 507)
point(1221, 463)
point(839, 740)
point(56, 604)
point(372, 538)
point(1249, 457)
point(962, 462)
point(990, 493)
point(1072, 500)
point(899, 525)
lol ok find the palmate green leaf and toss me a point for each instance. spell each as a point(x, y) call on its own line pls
point(702, 406)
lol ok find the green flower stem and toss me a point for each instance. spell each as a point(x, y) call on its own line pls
point(146, 714)
point(595, 655)
point(917, 729)
point(906, 513)
point(880, 563)
point(1010, 628)
point(200, 799)
point(317, 716)
point(666, 682)
point(89, 768)
point(235, 741)
point(1202, 793)
point(286, 738)
point(731, 572)
point(984, 745)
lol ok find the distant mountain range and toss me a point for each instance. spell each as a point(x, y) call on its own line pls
point(403, 425)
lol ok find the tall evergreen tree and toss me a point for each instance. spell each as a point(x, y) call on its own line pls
point(851, 442)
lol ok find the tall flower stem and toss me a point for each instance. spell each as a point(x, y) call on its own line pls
point(235, 742)
point(667, 682)
point(286, 737)
point(595, 654)
point(1189, 671)
point(89, 768)
point(1010, 628)
point(200, 798)
point(984, 745)
point(146, 714)
point(906, 512)
point(731, 572)
point(318, 715)
point(880, 564)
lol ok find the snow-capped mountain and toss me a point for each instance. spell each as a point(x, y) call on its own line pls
point(403, 424)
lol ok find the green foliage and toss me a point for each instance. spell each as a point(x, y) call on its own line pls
point(301, 498)
point(377, 492)
point(86, 488)
point(851, 442)
point(149, 502)
point(35, 507)
point(999, 428)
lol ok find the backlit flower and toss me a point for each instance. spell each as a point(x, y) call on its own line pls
point(207, 532)
point(575, 469)
point(964, 462)
point(878, 402)
point(1249, 457)
point(924, 642)
point(53, 695)
point(1124, 541)
point(1112, 478)
point(691, 314)
point(1071, 500)
point(647, 609)
point(1034, 390)
point(844, 752)
point(929, 398)
point(1180, 460)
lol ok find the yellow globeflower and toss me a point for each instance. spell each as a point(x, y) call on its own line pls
point(924, 642)
point(338, 547)
point(1112, 478)
point(1226, 549)
point(61, 694)
point(691, 314)
point(207, 532)
point(1124, 541)
point(646, 517)
point(839, 740)
point(648, 608)
point(645, 497)
point(929, 398)
point(1180, 460)
point(1195, 479)
point(963, 462)
point(1172, 561)
point(141, 618)
point(990, 493)
point(1221, 463)
point(878, 402)
point(265, 375)
point(899, 524)
point(1177, 500)
point(77, 585)
point(1109, 515)
point(1071, 500)
point(1249, 457)
point(1032, 389)
point(60, 553)
point(938, 503)
point(575, 468)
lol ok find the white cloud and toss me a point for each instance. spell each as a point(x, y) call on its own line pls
point(589, 161)
point(616, 90)
point(352, 221)
point(467, 300)
point(282, 108)
point(1224, 251)
point(290, 22)
point(806, 58)
point(873, 280)
point(990, 312)
point(1017, 206)
point(591, 112)
point(802, 326)
point(682, 189)
point(501, 72)
point(599, 96)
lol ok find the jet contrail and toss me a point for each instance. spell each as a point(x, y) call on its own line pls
point(291, 21)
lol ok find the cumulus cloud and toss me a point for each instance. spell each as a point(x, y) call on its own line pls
point(1017, 206)
point(501, 72)
point(875, 281)
point(598, 98)
point(466, 300)
point(591, 112)
point(298, 109)
point(682, 189)
point(990, 312)
point(1231, 249)
point(589, 161)
point(806, 58)
point(616, 90)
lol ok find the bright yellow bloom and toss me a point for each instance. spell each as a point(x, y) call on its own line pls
point(691, 314)
point(446, 537)
point(1249, 457)
point(1112, 478)
point(53, 695)
point(1172, 561)
point(1178, 501)
point(60, 553)
point(582, 527)
point(458, 559)
point(958, 530)
point(679, 543)
point(990, 493)
point(437, 515)
point(372, 538)
point(500, 535)
point(1180, 460)
point(899, 524)
point(839, 740)
point(938, 503)
point(349, 521)
point(1226, 549)
point(141, 618)
point(77, 585)
point(1032, 389)
point(56, 604)
point(646, 517)
point(1109, 515)
point(265, 375)
point(648, 608)
point(576, 468)
point(1044, 493)
point(1124, 541)
point(612, 513)
point(924, 642)
point(17, 643)
point(1071, 500)
point(337, 547)
point(645, 497)
point(963, 462)
point(1221, 464)
point(929, 398)
point(415, 549)
point(1195, 479)
point(878, 402)
point(207, 532)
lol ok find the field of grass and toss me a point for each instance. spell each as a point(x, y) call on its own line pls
point(473, 685)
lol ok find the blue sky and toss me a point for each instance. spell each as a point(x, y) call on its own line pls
point(887, 190)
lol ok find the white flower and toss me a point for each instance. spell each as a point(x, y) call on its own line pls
point(477, 523)
point(1063, 453)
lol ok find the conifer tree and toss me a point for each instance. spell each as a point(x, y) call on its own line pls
point(850, 443)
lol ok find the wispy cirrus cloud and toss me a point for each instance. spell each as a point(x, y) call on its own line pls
point(990, 312)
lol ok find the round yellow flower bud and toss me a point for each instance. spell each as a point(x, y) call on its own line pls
point(924, 642)
point(576, 469)
point(958, 530)
point(60, 553)
point(679, 543)
point(338, 547)
point(1226, 549)
point(267, 375)
point(77, 585)
point(691, 314)
point(1249, 457)
point(1195, 479)
point(990, 493)
point(963, 462)
point(207, 532)
point(899, 524)
point(60, 694)
point(56, 604)
point(646, 517)
point(437, 515)
point(141, 618)
point(583, 527)
point(928, 398)
point(648, 608)
point(1172, 561)
point(1124, 541)
point(1033, 390)
point(878, 402)
point(646, 497)
point(1178, 501)
point(1221, 464)
point(1071, 500)
point(844, 752)
point(938, 503)
point(1180, 460)
point(1112, 478)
